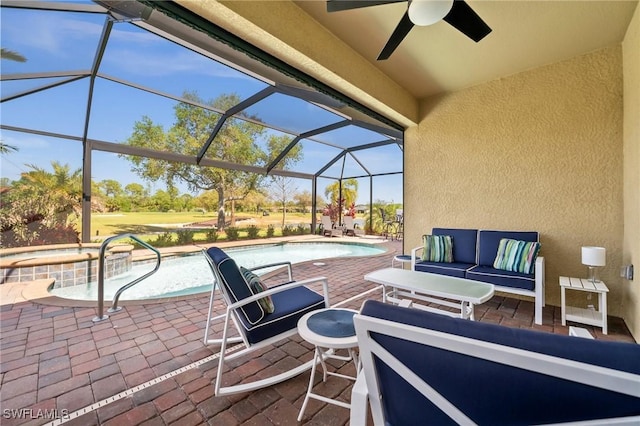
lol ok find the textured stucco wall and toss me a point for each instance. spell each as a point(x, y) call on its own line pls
point(540, 150)
point(631, 245)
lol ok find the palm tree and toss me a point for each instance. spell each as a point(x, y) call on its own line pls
point(11, 55)
point(5, 149)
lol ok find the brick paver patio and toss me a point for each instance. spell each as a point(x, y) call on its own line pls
point(148, 365)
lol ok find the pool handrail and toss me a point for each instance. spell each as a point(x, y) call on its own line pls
point(103, 248)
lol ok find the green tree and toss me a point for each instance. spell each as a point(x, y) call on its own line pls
point(111, 188)
point(236, 142)
point(11, 55)
point(338, 200)
point(5, 149)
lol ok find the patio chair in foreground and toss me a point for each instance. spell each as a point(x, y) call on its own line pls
point(260, 317)
point(419, 367)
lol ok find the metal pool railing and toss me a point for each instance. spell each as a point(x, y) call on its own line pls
point(103, 248)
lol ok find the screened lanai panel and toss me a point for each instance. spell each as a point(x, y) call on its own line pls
point(50, 40)
point(146, 59)
point(351, 136)
point(381, 159)
point(59, 109)
point(313, 156)
point(38, 152)
point(117, 109)
point(11, 88)
point(345, 167)
point(291, 114)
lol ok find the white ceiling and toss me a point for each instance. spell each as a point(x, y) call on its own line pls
point(438, 58)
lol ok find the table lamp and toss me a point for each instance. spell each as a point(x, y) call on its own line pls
point(593, 257)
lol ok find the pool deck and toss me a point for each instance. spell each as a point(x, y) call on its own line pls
point(147, 364)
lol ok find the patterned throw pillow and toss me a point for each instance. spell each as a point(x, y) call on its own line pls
point(438, 248)
point(258, 286)
point(517, 256)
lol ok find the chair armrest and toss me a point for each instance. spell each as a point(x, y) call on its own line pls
point(284, 287)
point(274, 265)
point(414, 253)
point(359, 399)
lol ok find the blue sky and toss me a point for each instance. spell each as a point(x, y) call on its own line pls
point(61, 41)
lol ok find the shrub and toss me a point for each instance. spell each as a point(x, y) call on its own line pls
point(163, 240)
point(185, 236)
point(253, 230)
point(270, 231)
point(301, 229)
point(212, 235)
point(233, 233)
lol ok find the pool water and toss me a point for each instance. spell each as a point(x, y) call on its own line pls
point(191, 274)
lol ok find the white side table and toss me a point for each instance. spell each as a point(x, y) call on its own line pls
point(328, 329)
point(402, 259)
point(594, 317)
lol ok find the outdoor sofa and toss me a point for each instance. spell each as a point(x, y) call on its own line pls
point(419, 368)
point(473, 255)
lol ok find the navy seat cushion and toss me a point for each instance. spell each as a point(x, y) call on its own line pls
point(464, 243)
point(454, 269)
point(290, 305)
point(491, 393)
point(488, 242)
point(489, 274)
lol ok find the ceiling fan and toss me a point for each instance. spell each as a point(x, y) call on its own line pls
point(422, 13)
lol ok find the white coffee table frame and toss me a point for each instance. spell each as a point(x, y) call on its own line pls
point(432, 288)
point(325, 348)
point(585, 316)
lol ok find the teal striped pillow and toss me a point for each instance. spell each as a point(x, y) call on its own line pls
point(438, 248)
point(517, 256)
point(257, 286)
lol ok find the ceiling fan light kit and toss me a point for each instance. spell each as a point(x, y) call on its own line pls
point(456, 13)
point(428, 12)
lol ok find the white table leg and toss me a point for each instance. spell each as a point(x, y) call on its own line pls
point(311, 379)
point(603, 310)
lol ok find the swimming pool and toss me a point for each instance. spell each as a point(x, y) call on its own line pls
point(184, 275)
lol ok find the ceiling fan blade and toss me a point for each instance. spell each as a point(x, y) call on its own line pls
point(338, 5)
point(396, 38)
point(465, 20)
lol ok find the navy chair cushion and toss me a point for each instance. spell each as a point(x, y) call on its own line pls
point(491, 393)
point(464, 243)
point(290, 305)
point(488, 242)
point(454, 269)
point(236, 287)
point(500, 277)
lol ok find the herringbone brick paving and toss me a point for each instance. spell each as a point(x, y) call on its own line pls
point(55, 358)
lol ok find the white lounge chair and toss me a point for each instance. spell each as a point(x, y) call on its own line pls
point(350, 228)
point(328, 230)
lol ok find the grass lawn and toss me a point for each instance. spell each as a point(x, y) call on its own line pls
point(157, 222)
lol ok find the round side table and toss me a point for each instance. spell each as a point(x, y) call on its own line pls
point(402, 259)
point(328, 329)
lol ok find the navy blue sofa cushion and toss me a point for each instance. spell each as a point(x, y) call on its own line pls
point(488, 242)
point(489, 274)
point(454, 269)
point(464, 243)
point(491, 393)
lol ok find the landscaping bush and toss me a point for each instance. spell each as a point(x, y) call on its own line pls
point(185, 236)
point(163, 240)
point(302, 229)
point(233, 233)
point(253, 230)
point(270, 231)
point(212, 235)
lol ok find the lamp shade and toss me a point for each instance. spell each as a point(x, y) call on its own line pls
point(428, 12)
point(594, 256)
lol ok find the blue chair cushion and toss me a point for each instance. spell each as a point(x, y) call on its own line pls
point(488, 242)
point(290, 305)
point(491, 393)
point(454, 269)
point(235, 284)
point(464, 243)
point(489, 274)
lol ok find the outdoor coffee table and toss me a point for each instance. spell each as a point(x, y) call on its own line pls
point(328, 329)
point(458, 293)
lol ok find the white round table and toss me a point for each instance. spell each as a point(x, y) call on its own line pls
point(328, 329)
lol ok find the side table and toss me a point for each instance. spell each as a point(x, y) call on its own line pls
point(402, 259)
point(328, 329)
point(594, 317)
